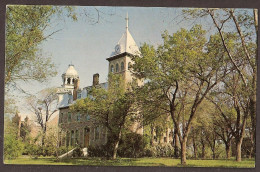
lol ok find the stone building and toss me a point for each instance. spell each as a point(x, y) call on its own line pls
point(79, 128)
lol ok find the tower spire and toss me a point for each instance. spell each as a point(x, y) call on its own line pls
point(127, 20)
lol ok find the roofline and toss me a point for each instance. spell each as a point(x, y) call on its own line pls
point(118, 56)
point(64, 107)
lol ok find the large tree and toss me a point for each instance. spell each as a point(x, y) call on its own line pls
point(243, 24)
point(111, 108)
point(43, 106)
point(26, 29)
point(182, 71)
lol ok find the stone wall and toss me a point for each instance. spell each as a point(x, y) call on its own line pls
point(78, 123)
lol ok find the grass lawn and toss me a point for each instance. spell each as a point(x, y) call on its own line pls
point(246, 163)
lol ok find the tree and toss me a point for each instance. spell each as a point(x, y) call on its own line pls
point(26, 29)
point(25, 130)
point(13, 146)
point(112, 108)
point(183, 73)
point(43, 106)
point(243, 24)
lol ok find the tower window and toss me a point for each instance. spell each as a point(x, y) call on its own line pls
point(117, 67)
point(112, 68)
point(129, 65)
point(68, 80)
point(73, 81)
point(122, 66)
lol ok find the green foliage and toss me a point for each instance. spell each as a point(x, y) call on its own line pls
point(132, 145)
point(13, 147)
point(77, 152)
point(159, 151)
point(99, 151)
point(26, 27)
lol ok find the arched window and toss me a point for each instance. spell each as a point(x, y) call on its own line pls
point(117, 67)
point(68, 81)
point(129, 65)
point(112, 68)
point(73, 81)
point(67, 138)
point(72, 138)
point(69, 117)
point(122, 66)
point(77, 137)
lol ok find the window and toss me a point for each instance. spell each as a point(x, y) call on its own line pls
point(97, 131)
point(69, 117)
point(78, 117)
point(79, 95)
point(117, 67)
point(87, 117)
point(73, 81)
point(67, 138)
point(112, 68)
point(122, 66)
point(68, 81)
point(129, 65)
point(72, 138)
point(77, 136)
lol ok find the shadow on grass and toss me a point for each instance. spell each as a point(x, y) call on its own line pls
point(105, 162)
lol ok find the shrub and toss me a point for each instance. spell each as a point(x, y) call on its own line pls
point(13, 147)
point(132, 145)
point(77, 152)
point(159, 151)
point(99, 151)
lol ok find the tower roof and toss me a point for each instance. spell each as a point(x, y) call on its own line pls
point(126, 43)
point(71, 71)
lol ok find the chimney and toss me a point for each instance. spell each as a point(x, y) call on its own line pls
point(95, 79)
point(76, 87)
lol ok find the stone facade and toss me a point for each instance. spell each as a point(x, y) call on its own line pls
point(80, 129)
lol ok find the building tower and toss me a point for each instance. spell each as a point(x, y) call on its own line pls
point(120, 60)
point(69, 77)
point(70, 81)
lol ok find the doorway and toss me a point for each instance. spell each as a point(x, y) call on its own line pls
point(86, 136)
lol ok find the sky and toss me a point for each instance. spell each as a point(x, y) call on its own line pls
point(87, 43)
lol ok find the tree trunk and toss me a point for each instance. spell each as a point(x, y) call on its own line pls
point(228, 149)
point(238, 150)
point(43, 135)
point(203, 149)
point(183, 151)
point(194, 147)
point(116, 144)
point(176, 144)
point(214, 155)
point(152, 134)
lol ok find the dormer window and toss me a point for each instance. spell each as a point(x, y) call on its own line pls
point(122, 66)
point(112, 68)
point(117, 67)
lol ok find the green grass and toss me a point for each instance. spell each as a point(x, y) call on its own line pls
point(246, 163)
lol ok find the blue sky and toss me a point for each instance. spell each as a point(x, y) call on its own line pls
point(87, 45)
